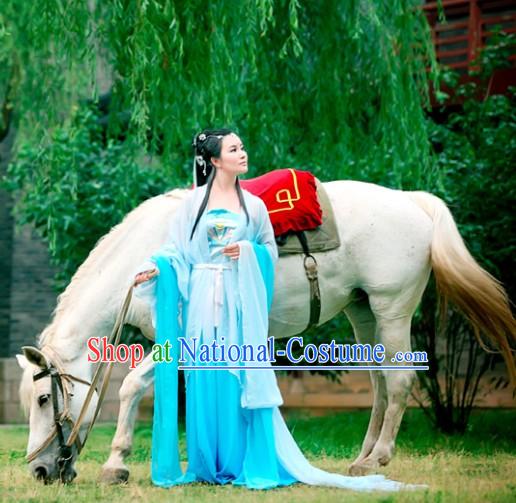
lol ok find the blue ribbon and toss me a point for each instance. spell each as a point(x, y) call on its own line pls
point(165, 468)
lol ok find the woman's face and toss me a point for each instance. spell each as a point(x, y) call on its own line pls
point(233, 157)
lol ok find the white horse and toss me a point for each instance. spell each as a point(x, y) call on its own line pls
point(390, 242)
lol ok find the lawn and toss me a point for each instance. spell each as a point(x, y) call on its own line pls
point(478, 466)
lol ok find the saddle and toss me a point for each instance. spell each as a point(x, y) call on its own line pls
point(302, 218)
point(298, 205)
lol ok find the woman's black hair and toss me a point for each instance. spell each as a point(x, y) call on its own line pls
point(208, 144)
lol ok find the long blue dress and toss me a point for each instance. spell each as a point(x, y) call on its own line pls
point(225, 442)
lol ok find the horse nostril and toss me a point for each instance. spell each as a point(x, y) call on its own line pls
point(40, 472)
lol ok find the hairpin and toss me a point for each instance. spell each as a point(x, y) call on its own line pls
point(202, 163)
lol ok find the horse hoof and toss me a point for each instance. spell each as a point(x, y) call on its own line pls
point(359, 469)
point(114, 476)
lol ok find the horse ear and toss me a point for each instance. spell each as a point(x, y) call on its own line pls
point(35, 356)
point(22, 361)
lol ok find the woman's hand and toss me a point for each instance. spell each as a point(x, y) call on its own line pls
point(141, 277)
point(232, 250)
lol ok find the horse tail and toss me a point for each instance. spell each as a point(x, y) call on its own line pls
point(459, 278)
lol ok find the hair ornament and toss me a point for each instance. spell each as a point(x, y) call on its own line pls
point(203, 136)
point(198, 159)
point(201, 162)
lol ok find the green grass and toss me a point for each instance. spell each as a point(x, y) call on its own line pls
point(477, 466)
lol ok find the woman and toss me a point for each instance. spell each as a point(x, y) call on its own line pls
point(218, 265)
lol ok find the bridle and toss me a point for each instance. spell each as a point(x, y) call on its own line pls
point(61, 381)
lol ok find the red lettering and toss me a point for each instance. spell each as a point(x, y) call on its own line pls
point(107, 351)
point(119, 348)
point(93, 349)
point(135, 360)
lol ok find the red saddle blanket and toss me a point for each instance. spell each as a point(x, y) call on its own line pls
point(291, 199)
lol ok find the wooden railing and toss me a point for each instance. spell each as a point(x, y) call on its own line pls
point(469, 24)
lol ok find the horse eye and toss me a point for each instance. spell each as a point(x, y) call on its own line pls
point(43, 399)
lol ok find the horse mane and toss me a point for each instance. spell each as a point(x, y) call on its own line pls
point(108, 244)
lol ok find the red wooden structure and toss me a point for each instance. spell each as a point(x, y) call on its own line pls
point(468, 25)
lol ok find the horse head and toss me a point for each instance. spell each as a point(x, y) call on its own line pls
point(53, 395)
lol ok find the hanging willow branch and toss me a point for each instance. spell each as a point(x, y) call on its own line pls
point(335, 87)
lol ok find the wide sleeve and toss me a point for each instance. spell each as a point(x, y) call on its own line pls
point(265, 232)
point(174, 251)
point(256, 264)
point(266, 250)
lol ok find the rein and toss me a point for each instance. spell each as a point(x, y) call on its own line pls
point(60, 381)
point(56, 374)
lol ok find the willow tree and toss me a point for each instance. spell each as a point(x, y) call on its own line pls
point(339, 88)
point(336, 87)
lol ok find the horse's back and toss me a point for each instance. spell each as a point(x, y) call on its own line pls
point(385, 236)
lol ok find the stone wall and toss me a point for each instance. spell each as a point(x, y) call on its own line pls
point(311, 392)
point(319, 395)
point(32, 295)
point(6, 246)
point(11, 410)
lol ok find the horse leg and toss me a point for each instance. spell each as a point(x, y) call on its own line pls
point(394, 334)
point(364, 327)
point(133, 388)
